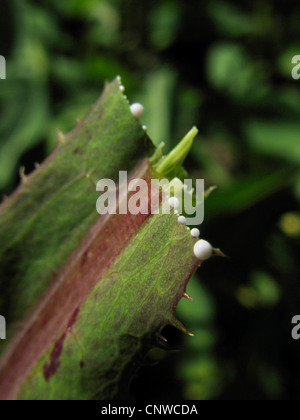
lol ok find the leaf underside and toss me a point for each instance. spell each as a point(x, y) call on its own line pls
point(85, 295)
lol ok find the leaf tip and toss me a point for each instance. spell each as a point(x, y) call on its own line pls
point(209, 191)
point(188, 297)
point(23, 176)
point(179, 326)
point(177, 156)
point(161, 337)
point(61, 138)
point(219, 253)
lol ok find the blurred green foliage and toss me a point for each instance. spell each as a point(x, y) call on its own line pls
point(226, 67)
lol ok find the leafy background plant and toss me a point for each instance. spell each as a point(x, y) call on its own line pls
point(226, 67)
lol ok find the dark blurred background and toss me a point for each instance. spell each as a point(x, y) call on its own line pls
point(224, 66)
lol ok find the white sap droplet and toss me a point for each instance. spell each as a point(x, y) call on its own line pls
point(203, 250)
point(195, 233)
point(145, 128)
point(137, 110)
point(122, 88)
point(182, 219)
point(174, 202)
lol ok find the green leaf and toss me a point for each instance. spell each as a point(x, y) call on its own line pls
point(52, 210)
point(245, 193)
point(276, 138)
point(85, 296)
point(231, 70)
point(158, 98)
point(232, 21)
point(21, 126)
point(164, 23)
point(171, 163)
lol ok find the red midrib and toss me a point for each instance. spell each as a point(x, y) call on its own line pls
point(52, 318)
